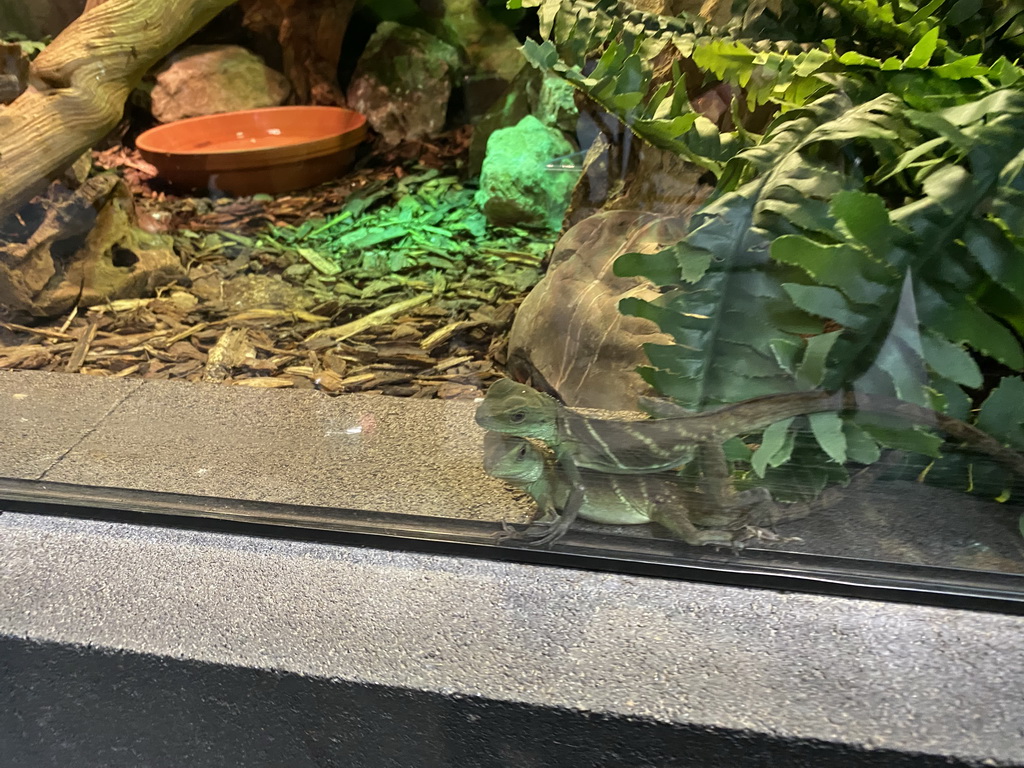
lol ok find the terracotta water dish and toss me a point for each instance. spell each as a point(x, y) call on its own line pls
point(277, 149)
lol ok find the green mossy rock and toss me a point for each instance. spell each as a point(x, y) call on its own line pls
point(517, 188)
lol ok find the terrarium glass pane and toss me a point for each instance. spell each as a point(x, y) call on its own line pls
point(723, 284)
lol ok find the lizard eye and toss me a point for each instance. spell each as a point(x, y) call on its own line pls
point(521, 453)
point(517, 417)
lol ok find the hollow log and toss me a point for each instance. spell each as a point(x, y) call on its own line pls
point(79, 84)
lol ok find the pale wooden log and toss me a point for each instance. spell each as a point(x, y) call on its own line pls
point(79, 84)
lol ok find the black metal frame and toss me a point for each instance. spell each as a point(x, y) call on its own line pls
point(580, 549)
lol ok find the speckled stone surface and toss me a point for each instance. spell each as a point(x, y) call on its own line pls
point(44, 416)
point(360, 451)
point(875, 675)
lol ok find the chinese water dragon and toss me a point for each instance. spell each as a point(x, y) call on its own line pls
point(587, 447)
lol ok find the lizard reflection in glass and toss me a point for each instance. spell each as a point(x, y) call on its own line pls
point(677, 436)
point(608, 499)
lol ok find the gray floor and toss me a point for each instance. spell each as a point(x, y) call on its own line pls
point(912, 679)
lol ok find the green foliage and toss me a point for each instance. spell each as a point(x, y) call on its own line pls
point(919, 291)
point(30, 48)
point(424, 228)
point(870, 239)
point(661, 113)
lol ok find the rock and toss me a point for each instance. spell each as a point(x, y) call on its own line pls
point(38, 20)
point(244, 292)
point(490, 46)
point(84, 250)
point(517, 188)
point(556, 104)
point(531, 92)
point(569, 337)
point(403, 81)
point(13, 72)
point(208, 79)
point(519, 100)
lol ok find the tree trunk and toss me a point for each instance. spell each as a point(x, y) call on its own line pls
point(79, 84)
point(310, 33)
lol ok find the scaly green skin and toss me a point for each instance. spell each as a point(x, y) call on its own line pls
point(633, 447)
point(666, 442)
point(647, 447)
point(612, 499)
point(698, 518)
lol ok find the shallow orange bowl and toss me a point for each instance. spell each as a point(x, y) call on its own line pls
point(271, 150)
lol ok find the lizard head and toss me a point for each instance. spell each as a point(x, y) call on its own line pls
point(512, 459)
point(515, 409)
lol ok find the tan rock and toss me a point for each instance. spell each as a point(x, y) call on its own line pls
point(209, 79)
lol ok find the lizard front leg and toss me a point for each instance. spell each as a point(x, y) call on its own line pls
point(573, 504)
point(555, 522)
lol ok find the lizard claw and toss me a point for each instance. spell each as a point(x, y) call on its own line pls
point(511, 532)
point(763, 534)
point(534, 534)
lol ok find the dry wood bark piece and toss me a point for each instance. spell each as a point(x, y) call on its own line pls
point(441, 335)
point(81, 348)
point(274, 383)
point(38, 331)
point(374, 318)
point(30, 356)
point(231, 351)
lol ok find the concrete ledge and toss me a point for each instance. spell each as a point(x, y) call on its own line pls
point(137, 646)
point(293, 447)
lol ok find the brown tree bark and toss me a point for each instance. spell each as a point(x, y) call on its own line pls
point(79, 84)
point(310, 33)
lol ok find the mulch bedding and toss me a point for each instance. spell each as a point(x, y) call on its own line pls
point(251, 313)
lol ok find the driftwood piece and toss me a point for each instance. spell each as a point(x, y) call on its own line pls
point(84, 248)
point(79, 84)
point(368, 321)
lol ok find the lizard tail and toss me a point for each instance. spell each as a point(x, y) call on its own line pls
point(760, 412)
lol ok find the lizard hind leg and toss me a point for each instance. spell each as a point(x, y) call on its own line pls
point(679, 525)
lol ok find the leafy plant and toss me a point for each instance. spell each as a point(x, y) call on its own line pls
point(30, 48)
point(867, 240)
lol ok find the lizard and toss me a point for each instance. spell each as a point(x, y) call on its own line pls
point(655, 445)
point(615, 499)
